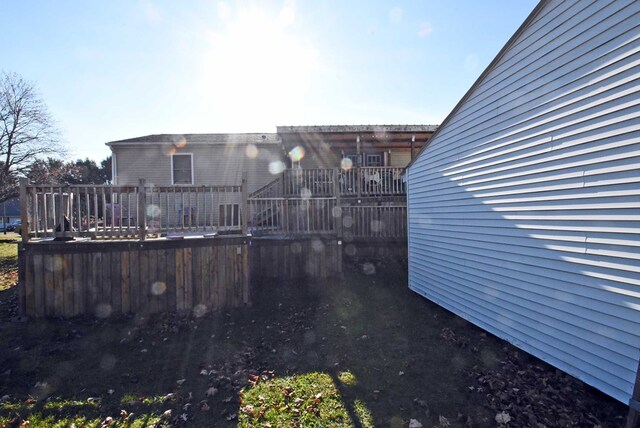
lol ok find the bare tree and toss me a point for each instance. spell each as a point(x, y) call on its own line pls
point(27, 131)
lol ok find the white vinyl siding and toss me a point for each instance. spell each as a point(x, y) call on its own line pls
point(524, 210)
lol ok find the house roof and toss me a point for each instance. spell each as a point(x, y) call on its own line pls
point(246, 138)
point(378, 129)
point(480, 79)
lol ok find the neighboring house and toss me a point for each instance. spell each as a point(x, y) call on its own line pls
point(524, 207)
point(10, 211)
point(364, 145)
point(197, 159)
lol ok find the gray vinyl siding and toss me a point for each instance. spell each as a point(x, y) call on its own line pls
point(213, 164)
point(524, 209)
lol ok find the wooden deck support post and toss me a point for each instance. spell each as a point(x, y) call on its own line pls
point(142, 210)
point(245, 204)
point(24, 206)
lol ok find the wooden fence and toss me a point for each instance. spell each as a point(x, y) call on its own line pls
point(102, 278)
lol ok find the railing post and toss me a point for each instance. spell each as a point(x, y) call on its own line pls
point(142, 210)
point(359, 181)
point(337, 219)
point(24, 206)
point(245, 204)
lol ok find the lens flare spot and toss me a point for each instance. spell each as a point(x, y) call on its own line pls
point(350, 250)
point(305, 193)
point(346, 164)
point(347, 221)
point(276, 167)
point(317, 245)
point(377, 226)
point(336, 212)
point(107, 362)
point(296, 154)
point(181, 143)
point(368, 268)
point(158, 288)
point(153, 211)
point(168, 150)
point(103, 310)
point(251, 151)
point(199, 310)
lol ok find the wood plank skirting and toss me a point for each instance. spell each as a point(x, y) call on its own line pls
point(66, 279)
point(295, 258)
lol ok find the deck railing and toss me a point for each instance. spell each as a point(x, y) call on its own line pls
point(112, 211)
point(292, 216)
point(365, 221)
point(323, 216)
point(315, 201)
point(272, 189)
point(355, 182)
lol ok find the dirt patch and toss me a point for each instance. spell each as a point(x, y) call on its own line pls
point(406, 358)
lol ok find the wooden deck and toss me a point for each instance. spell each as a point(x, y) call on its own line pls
point(133, 249)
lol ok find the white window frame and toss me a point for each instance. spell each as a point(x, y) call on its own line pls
point(378, 155)
point(192, 172)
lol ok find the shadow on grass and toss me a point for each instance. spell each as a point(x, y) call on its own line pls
point(405, 358)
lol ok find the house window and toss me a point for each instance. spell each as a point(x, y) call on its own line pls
point(374, 160)
point(182, 168)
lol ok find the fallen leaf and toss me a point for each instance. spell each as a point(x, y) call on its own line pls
point(503, 418)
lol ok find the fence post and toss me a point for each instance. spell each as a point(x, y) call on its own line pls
point(142, 210)
point(24, 206)
point(245, 204)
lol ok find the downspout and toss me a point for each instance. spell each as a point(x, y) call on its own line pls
point(413, 143)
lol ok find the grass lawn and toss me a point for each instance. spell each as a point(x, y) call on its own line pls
point(361, 351)
point(8, 259)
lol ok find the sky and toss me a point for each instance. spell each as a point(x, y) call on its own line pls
point(120, 69)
